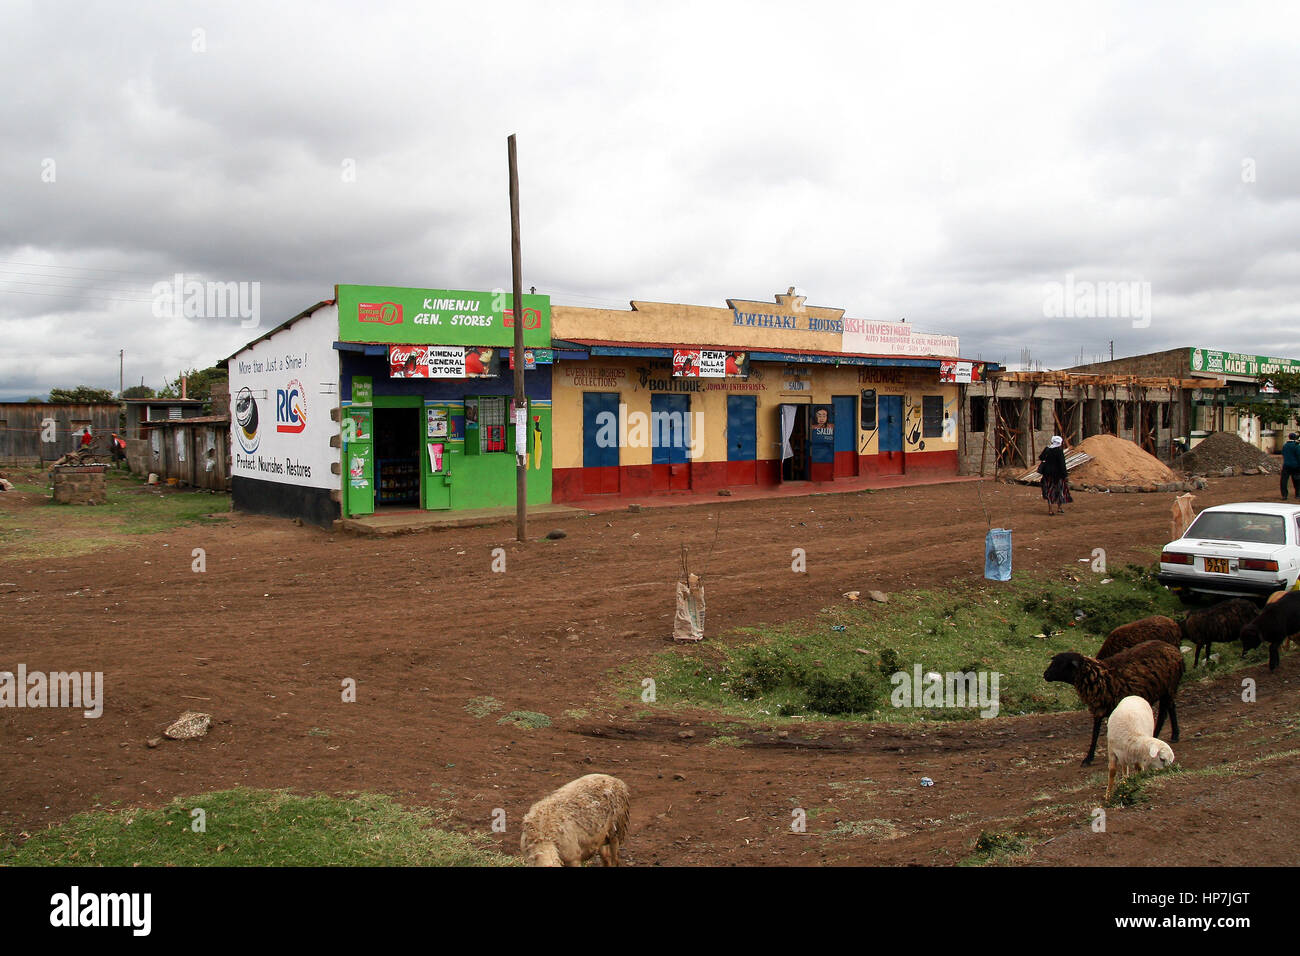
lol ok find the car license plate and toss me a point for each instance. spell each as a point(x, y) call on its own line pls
point(1216, 565)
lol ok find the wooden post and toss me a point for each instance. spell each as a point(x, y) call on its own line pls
point(1033, 451)
point(521, 399)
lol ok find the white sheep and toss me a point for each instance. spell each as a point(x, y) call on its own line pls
point(584, 816)
point(1131, 741)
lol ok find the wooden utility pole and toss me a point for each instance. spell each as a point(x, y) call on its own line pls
point(521, 400)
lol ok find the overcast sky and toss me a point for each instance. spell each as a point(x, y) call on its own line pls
point(960, 166)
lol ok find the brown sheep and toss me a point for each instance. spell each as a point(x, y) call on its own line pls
point(583, 817)
point(1220, 624)
point(1137, 632)
point(1151, 670)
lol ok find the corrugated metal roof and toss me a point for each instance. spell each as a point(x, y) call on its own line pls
point(197, 420)
point(761, 350)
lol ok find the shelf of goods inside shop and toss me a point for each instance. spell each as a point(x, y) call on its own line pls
point(399, 480)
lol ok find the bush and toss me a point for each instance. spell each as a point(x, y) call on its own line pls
point(889, 663)
point(855, 694)
point(765, 669)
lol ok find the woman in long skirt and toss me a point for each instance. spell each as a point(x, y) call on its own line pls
point(1054, 482)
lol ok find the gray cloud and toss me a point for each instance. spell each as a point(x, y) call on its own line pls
point(944, 164)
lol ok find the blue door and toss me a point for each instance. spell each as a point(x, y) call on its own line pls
point(890, 418)
point(670, 439)
point(846, 434)
point(600, 443)
point(742, 440)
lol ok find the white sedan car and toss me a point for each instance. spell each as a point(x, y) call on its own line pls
point(1249, 549)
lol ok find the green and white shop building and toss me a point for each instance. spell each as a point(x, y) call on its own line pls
point(390, 399)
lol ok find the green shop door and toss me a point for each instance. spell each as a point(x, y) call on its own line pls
point(359, 462)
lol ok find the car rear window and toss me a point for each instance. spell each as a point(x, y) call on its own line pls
point(1238, 526)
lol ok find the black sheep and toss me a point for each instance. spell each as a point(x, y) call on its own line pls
point(1151, 670)
point(1220, 624)
point(1274, 624)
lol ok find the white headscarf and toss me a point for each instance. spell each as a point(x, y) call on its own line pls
point(1056, 442)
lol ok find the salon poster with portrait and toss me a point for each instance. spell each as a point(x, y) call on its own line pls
point(821, 432)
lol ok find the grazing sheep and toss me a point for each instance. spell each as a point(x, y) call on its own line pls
point(584, 816)
point(1275, 623)
point(1131, 743)
point(1220, 624)
point(1138, 632)
point(1151, 670)
point(1290, 638)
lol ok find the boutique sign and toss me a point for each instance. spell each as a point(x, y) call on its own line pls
point(438, 317)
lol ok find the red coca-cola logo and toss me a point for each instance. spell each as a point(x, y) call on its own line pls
point(385, 313)
point(407, 361)
point(532, 318)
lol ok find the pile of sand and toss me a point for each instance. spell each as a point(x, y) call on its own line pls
point(1117, 461)
point(1222, 450)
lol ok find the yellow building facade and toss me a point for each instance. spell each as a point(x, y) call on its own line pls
point(665, 398)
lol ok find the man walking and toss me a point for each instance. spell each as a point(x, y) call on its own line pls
point(1291, 464)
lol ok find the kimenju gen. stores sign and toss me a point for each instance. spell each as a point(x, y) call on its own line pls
point(438, 317)
point(1210, 362)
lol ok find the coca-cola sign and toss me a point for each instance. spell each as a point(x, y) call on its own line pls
point(408, 361)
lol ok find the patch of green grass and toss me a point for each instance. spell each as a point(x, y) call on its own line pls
point(996, 847)
point(725, 740)
point(133, 507)
point(526, 718)
point(482, 706)
point(804, 668)
point(257, 828)
point(1132, 789)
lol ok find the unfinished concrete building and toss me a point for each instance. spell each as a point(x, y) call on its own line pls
point(1008, 419)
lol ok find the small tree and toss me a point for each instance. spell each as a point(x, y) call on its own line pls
point(140, 391)
point(198, 383)
point(1275, 411)
point(81, 395)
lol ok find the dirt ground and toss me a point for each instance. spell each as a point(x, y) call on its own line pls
point(283, 614)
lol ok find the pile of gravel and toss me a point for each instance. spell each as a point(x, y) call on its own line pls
point(1222, 450)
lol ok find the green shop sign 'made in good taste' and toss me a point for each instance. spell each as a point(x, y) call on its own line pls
point(1234, 363)
point(438, 316)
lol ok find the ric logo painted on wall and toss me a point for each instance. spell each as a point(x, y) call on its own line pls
point(290, 408)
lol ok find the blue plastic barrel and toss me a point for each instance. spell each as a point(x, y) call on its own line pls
point(997, 554)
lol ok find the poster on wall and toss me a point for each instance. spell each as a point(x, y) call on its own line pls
point(363, 391)
point(533, 358)
point(443, 361)
point(437, 422)
point(959, 372)
point(408, 361)
point(709, 363)
point(360, 428)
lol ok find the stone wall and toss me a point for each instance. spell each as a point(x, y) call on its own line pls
point(80, 485)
